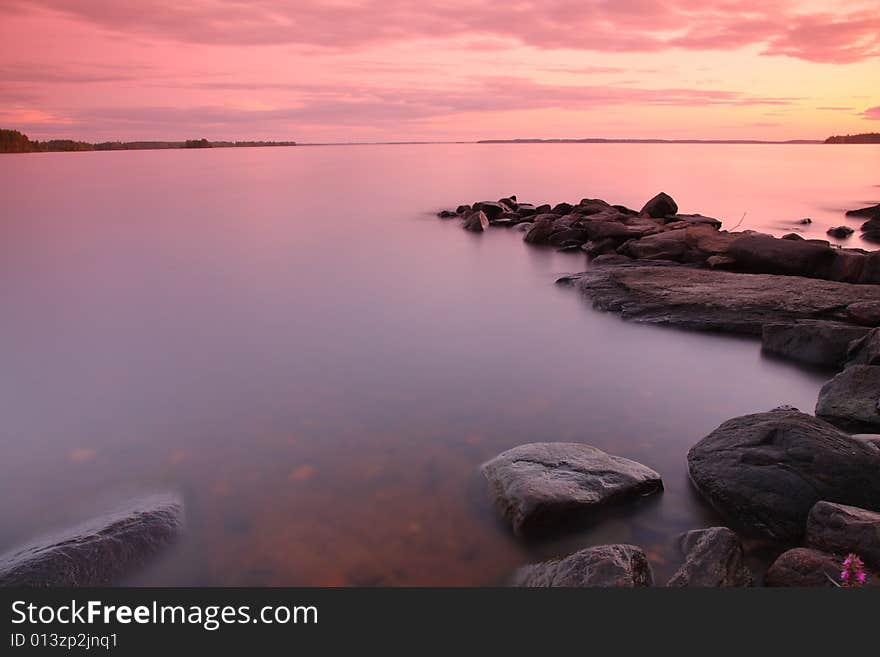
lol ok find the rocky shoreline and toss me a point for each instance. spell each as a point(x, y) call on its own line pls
point(807, 485)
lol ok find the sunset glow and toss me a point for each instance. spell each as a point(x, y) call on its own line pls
point(454, 70)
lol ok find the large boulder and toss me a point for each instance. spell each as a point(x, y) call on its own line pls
point(713, 557)
point(850, 400)
point(865, 350)
point(764, 254)
point(600, 566)
point(492, 209)
point(670, 245)
point(840, 232)
point(842, 529)
point(661, 205)
point(542, 487)
point(99, 552)
point(766, 471)
point(870, 212)
point(814, 342)
point(714, 300)
point(477, 222)
point(804, 567)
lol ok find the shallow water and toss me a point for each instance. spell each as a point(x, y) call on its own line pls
point(292, 340)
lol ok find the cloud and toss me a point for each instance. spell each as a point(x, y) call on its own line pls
point(777, 27)
point(872, 113)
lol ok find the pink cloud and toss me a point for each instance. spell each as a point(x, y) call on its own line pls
point(872, 113)
point(778, 27)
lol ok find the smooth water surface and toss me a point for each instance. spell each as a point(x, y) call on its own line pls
point(292, 340)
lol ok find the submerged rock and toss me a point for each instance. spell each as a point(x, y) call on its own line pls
point(661, 205)
point(766, 471)
point(842, 529)
point(814, 342)
point(713, 557)
point(601, 566)
point(850, 400)
point(99, 552)
point(840, 232)
point(542, 487)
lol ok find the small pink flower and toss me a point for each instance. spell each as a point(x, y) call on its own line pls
point(853, 572)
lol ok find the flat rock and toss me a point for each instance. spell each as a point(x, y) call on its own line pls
point(870, 212)
point(811, 341)
point(600, 566)
point(99, 552)
point(713, 558)
point(766, 471)
point(841, 529)
point(804, 567)
point(765, 254)
point(866, 313)
point(694, 219)
point(540, 487)
point(715, 300)
point(850, 400)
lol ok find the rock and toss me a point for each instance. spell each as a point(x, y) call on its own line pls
point(625, 210)
point(850, 400)
point(543, 209)
point(525, 209)
point(447, 214)
point(694, 220)
point(871, 225)
point(671, 245)
point(870, 212)
point(591, 206)
point(562, 208)
point(865, 350)
point(764, 254)
point(847, 266)
point(715, 300)
point(866, 313)
point(805, 221)
point(871, 269)
point(872, 236)
point(871, 439)
point(595, 248)
point(463, 209)
point(804, 567)
point(766, 471)
point(840, 231)
point(661, 205)
point(477, 222)
point(99, 552)
point(811, 341)
point(491, 209)
point(792, 236)
point(841, 529)
point(600, 566)
point(524, 227)
point(545, 486)
point(713, 557)
point(720, 262)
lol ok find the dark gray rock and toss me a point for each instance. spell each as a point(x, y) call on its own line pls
point(491, 209)
point(661, 205)
point(693, 220)
point(865, 350)
point(99, 552)
point(866, 313)
point(477, 222)
point(714, 300)
point(840, 232)
point(869, 212)
point(766, 471)
point(713, 557)
point(463, 209)
point(841, 529)
point(811, 341)
point(670, 245)
point(803, 567)
point(525, 209)
point(765, 254)
point(805, 221)
point(541, 487)
point(600, 566)
point(447, 214)
point(850, 400)
point(792, 236)
point(562, 208)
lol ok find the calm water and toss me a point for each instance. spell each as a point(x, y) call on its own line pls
point(293, 341)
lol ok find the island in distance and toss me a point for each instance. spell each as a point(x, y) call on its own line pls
point(13, 141)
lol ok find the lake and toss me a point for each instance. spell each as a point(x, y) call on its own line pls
point(291, 339)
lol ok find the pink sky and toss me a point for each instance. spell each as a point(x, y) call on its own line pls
point(345, 70)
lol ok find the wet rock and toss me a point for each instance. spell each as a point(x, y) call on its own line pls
point(713, 557)
point(870, 212)
point(840, 232)
point(841, 529)
point(803, 567)
point(477, 222)
point(865, 350)
point(661, 205)
point(463, 209)
point(541, 487)
point(99, 552)
point(601, 566)
point(814, 342)
point(595, 248)
point(850, 400)
point(766, 471)
point(871, 439)
point(714, 300)
point(848, 266)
